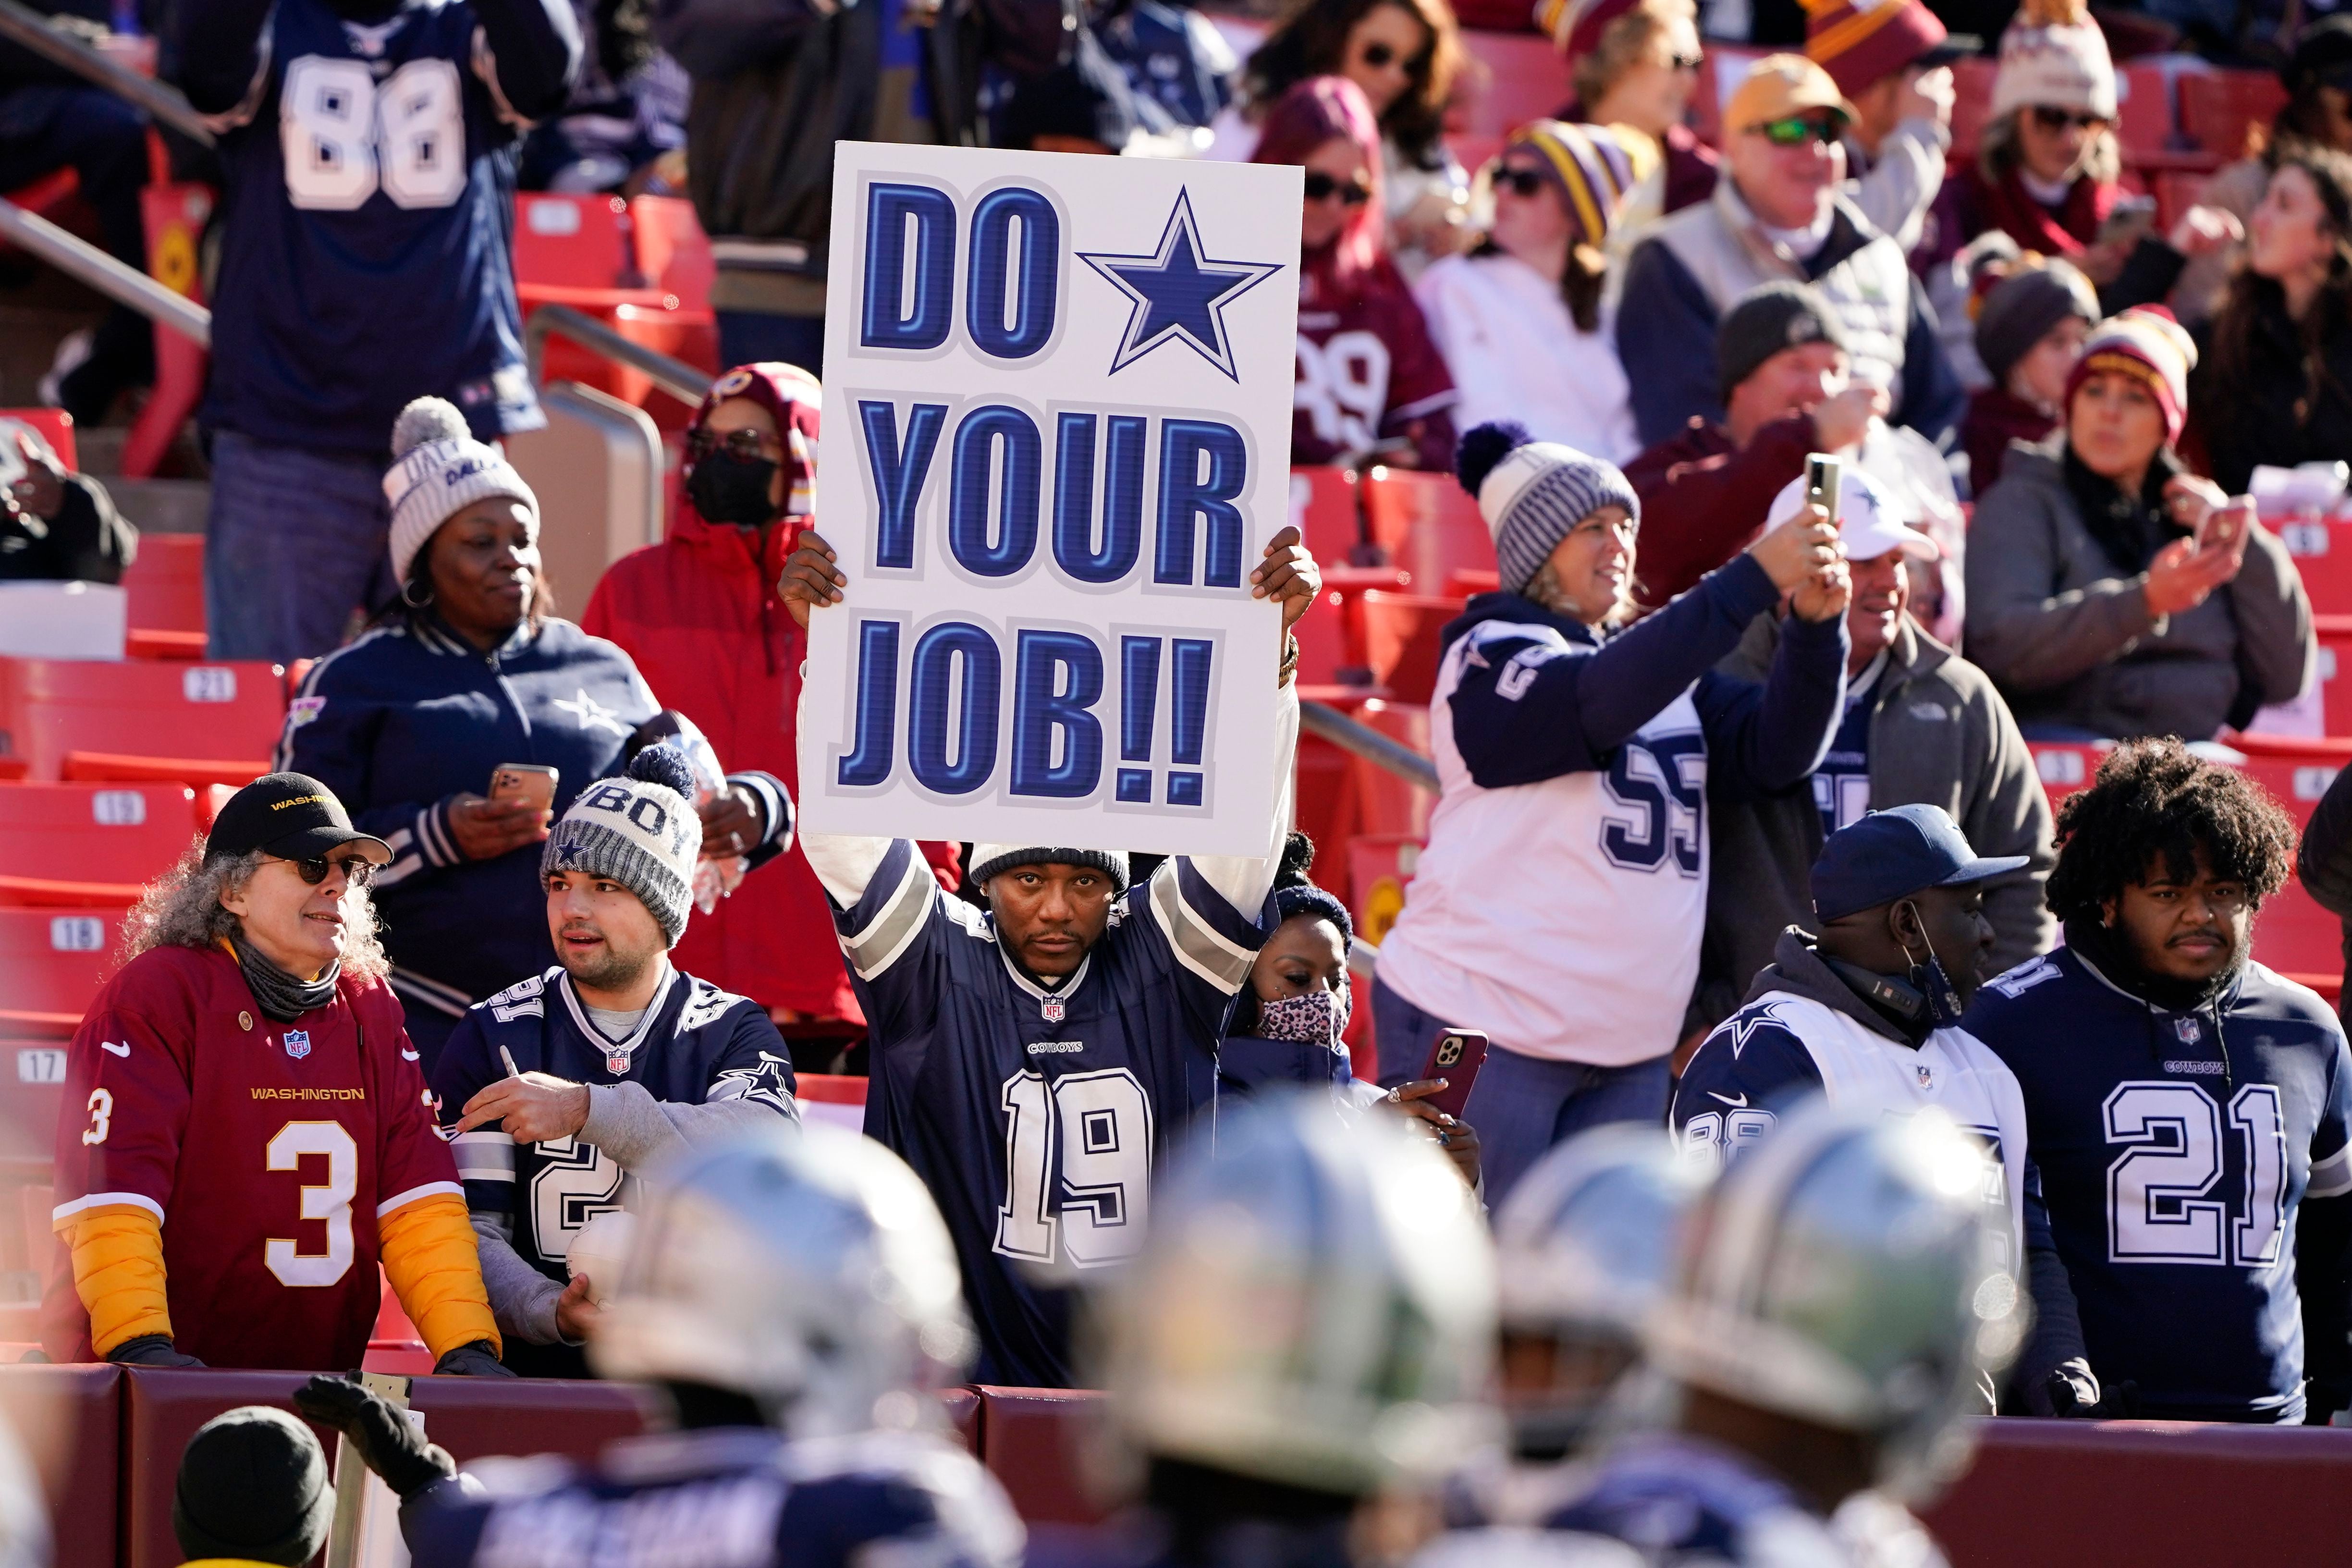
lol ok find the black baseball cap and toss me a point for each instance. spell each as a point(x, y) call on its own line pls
point(291, 815)
point(1890, 854)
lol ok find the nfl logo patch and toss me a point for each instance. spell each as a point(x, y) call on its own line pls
point(297, 1043)
point(618, 1066)
point(1052, 1008)
point(1927, 1074)
point(2187, 1031)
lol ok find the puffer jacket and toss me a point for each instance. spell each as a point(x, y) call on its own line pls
point(699, 614)
point(2068, 637)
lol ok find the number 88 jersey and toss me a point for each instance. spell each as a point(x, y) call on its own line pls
point(2176, 1151)
point(365, 256)
point(269, 1152)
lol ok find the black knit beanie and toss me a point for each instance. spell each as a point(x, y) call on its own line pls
point(1767, 320)
point(253, 1485)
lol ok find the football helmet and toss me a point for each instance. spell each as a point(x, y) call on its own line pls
point(1587, 1245)
point(1848, 1272)
point(803, 1266)
point(1314, 1305)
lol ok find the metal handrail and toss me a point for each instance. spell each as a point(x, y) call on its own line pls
point(1323, 720)
point(23, 25)
point(125, 285)
point(675, 376)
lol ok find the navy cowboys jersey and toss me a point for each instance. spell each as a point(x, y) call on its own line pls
point(728, 1497)
point(1036, 1119)
point(696, 1044)
point(366, 234)
point(2175, 1149)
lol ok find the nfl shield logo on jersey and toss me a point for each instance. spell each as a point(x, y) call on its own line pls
point(1052, 1008)
point(297, 1043)
point(1927, 1074)
point(2187, 1031)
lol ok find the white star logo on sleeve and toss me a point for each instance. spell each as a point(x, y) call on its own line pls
point(591, 713)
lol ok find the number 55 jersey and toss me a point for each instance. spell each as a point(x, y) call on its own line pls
point(2177, 1150)
point(282, 1161)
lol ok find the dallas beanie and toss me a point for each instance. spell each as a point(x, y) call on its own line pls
point(253, 1485)
point(2022, 308)
point(1765, 320)
point(640, 830)
point(1532, 493)
point(989, 859)
point(439, 470)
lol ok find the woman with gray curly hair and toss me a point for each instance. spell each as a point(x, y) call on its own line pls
point(247, 1134)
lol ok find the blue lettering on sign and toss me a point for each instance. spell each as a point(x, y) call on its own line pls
point(1036, 273)
point(886, 321)
point(956, 664)
point(1059, 680)
point(1020, 480)
point(868, 764)
point(898, 472)
point(1075, 550)
point(1186, 492)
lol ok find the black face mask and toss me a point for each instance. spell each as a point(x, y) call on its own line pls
point(725, 487)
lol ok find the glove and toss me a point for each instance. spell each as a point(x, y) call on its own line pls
point(380, 1434)
point(2068, 1390)
point(474, 1360)
point(2119, 1403)
point(150, 1350)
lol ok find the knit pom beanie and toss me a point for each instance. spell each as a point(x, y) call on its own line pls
point(640, 830)
point(439, 470)
point(1532, 493)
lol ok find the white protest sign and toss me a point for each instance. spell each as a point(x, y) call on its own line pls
point(1058, 406)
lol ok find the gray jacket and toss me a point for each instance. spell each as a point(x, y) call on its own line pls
point(1939, 735)
point(2072, 644)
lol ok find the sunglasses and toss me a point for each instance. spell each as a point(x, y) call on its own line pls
point(2051, 118)
point(1380, 55)
point(1322, 188)
point(1797, 130)
point(1519, 181)
point(357, 870)
point(746, 444)
point(1685, 62)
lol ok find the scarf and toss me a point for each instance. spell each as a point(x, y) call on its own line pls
point(2130, 529)
point(280, 996)
point(2068, 232)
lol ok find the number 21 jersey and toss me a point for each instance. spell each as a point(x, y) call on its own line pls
point(364, 255)
point(270, 1151)
point(2176, 1151)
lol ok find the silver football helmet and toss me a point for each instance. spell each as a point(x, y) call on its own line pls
point(803, 1266)
point(1849, 1272)
point(1314, 1305)
point(1588, 1244)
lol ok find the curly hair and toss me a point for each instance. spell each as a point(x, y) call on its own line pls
point(182, 908)
point(1313, 41)
point(2155, 797)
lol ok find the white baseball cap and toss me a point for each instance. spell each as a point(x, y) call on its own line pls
point(1870, 520)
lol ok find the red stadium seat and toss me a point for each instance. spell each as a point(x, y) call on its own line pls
point(1033, 1440)
point(68, 1421)
point(1379, 870)
point(1971, 104)
point(94, 833)
point(2177, 190)
point(54, 426)
point(833, 1097)
point(166, 583)
point(1323, 508)
point(1385, 804)
point(32, 1088)
point(139, 708)
point(2144, 113)
point(2323, 554)
point(233, 773)
point(672, 253)
point(2335, 632)
point(54, 961)
point(1399, 635)
point(1526, 80)
point(564, 245)
point(2218, 109)
point(1428, 524)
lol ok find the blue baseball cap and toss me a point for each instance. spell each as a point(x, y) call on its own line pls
point(1890, 854)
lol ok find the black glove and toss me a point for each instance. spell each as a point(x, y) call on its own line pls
point(379, 1432)
point(2119, 1403)
point(150, 1350)
point(474, 1360)
point(2067, 1390)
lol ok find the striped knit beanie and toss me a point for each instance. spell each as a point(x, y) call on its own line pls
point(2053, 54)
point(2147, 344)
point(641, 830)
point(1591, 167)
point(1532, 493)
point(1576, 26)
point(989, 859)
point(1859, 41)
point(439, 470)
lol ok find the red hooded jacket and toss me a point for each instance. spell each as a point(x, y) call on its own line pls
point(699, 614)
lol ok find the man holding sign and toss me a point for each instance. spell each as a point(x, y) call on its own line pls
point(1058, 409)
point(1029, 1062)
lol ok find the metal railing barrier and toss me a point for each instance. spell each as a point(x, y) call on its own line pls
point(71, 254)
point(23, 25)
point(1322, 719)
point(675, 376)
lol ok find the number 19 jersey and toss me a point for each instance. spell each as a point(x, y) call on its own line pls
point(365, 246)
point(2175, 1151)
point(269, 1152)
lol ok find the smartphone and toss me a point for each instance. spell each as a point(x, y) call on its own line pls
point(2220, 529)
point(2131, 218)
point(1823, 476)
point(525, 781)
point(1454, 1056)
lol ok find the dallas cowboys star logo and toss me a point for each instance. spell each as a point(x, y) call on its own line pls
point(591, 713)
point(1178, 295)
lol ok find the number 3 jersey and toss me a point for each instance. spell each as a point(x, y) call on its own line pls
point(365, 248)
point(271, 1152)
point(2175, 1149)
point(1035, 1118)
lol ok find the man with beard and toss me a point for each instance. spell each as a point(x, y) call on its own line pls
point(2190, 1111)
point(561, 1088)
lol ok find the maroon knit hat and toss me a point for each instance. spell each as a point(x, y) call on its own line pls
point(1858, 41)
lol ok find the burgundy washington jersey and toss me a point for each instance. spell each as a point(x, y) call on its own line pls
point(1366, 364)
point(268, 1151)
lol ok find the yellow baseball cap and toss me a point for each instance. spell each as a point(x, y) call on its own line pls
point(1779, 86)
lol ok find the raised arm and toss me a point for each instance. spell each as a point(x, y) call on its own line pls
point(218, 44)
point(534, 53)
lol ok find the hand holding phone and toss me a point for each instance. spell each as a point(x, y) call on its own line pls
point(529, 783)
point(1455, 1056)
